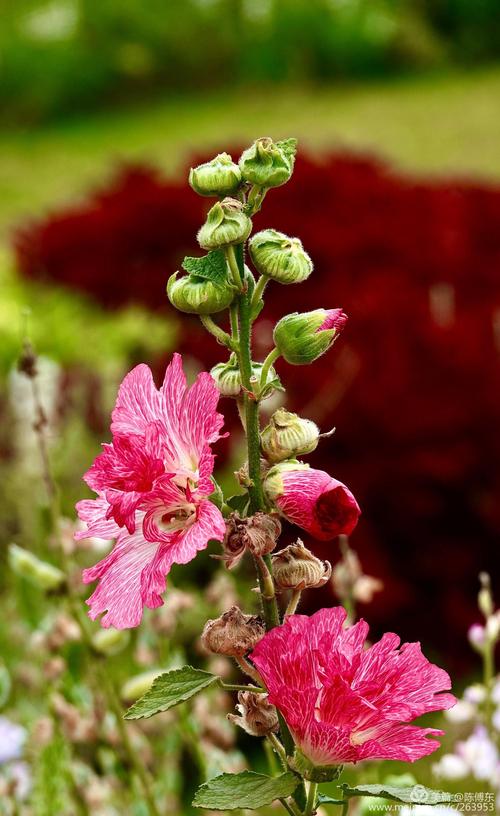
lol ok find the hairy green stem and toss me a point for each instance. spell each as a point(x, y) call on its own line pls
point(311, 799)
point(488, 674)
point(238, 687)
point(270, 359)
point(259, 291)
point(237, 272)
point(220, 335)
point(293, 602)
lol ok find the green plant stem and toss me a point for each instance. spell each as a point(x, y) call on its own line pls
point(259, 291)
point(220, 335)
point(345, 808)
point(270, 359)
point(237, 273)
point(488, 674)
point(311, 799)
point(290, 808)
point(256, 493)
point(238, 687)
point(248, 669)
point(255, 198)
point(277, 746)
point(293, 602)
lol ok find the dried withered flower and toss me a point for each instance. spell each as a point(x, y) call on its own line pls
point(257, 534)
point(256, 714)
point(233, 634)
point(296, 568)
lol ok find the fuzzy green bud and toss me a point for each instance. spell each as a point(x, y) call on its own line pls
point(138, 685)
point(110, 641)
point(196, 295)
point(38, 572)
point(279, 257)
point(303, 337)
point(218, 177)
point(227, 377)
point(287, 436)
point(226, 224)
point(267, 163)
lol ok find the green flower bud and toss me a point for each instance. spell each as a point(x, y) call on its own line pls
point(218, 177)
point(197, 295)
point(137, 686)
point(38, 572)
point(226, 224)
point(288, 436)
point(228, 378)
point(302, 338)
point(267, 163)
point(279, 257)
point(110, 641)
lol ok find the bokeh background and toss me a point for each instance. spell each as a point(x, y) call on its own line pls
point(396, 196)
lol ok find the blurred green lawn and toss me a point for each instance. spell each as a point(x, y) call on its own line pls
point(446, 124)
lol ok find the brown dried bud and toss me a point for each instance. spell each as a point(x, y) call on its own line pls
point(27, 361)
point(233, 634)
point(256, 714)
point(257, 534)
point(297, 568)
point(349, 581)
point(243, 477)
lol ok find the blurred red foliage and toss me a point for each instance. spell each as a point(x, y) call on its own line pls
point(413, 385)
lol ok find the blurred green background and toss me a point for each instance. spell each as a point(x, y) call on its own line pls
point(86, 85)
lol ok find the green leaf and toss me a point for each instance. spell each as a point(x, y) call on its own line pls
point(239, 502)
point(169, 690)
point(414, 795)
point(212, 267)
point(244, 790)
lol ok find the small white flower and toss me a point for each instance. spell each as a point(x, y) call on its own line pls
point(462, 712)
point(12, 739)
point(451, 766)
point(476, 694)
point(480, 754)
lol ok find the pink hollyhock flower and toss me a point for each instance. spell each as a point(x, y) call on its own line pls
point(152, 482)
point(344, 703)
point(312, 499)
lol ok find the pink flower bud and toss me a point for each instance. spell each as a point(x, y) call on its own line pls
point(312, 499)
point(477, 636)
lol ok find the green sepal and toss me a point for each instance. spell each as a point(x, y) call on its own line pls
point(212, 266)
point(311, 772)
point(239, 503)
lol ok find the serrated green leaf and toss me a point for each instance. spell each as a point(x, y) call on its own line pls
point(244, 790)
point(212, 266)
point(169, 690)
point(414, 795)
